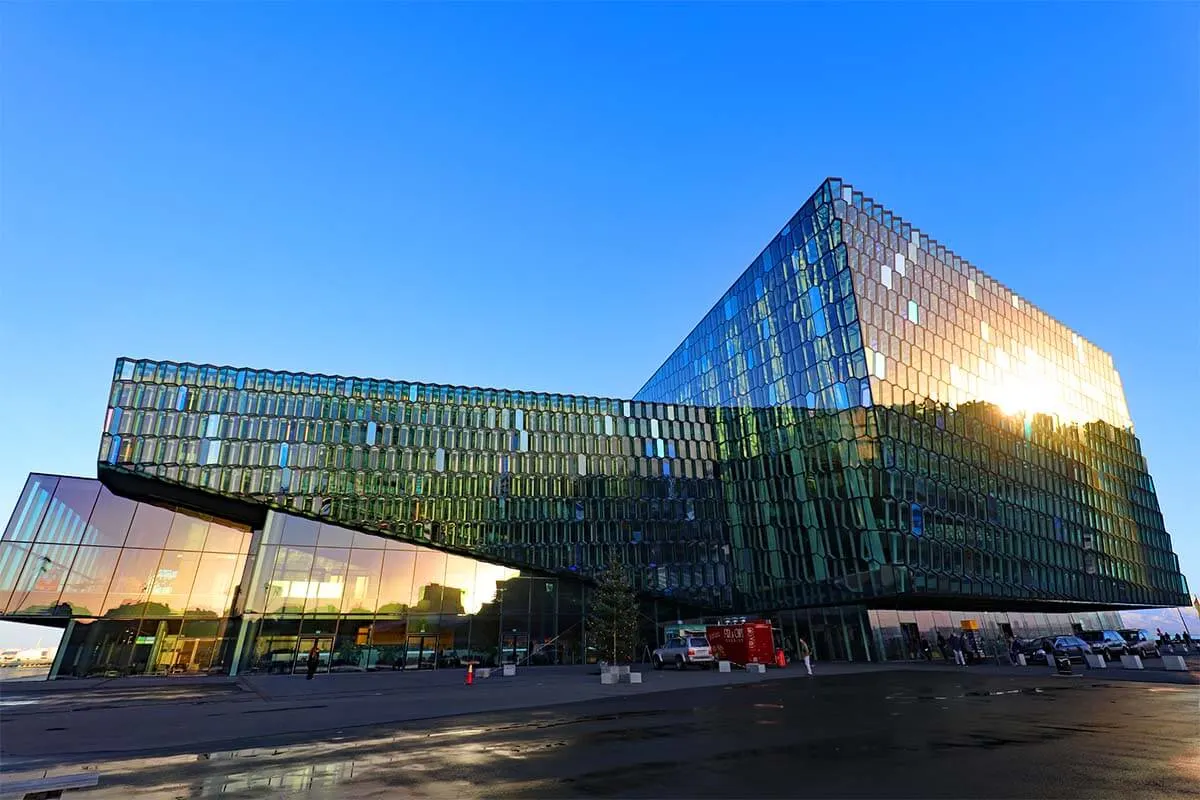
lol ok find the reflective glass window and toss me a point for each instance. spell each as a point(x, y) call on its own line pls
point(289, 579)
point(87, 583)
point(42, 579)
point(362, 581)
point(172, 583)
point(300, 531)
point(151, 526)
point(335, 536)
point(327, 583)
point(110, 520)
point(31, 508)
point(132, 582)
point(396, 586)
point(223, 538)
point(187, 533)
point(216, 577)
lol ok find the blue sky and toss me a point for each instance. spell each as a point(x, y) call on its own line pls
point(549, 196)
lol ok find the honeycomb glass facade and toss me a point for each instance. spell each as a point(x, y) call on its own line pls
point(863, 426)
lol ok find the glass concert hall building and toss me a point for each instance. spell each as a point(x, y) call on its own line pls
point(866, 439)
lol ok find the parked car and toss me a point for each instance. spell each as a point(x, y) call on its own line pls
point(1140, 642)
point(1064, 645)
point(1110, 643)
point(684, 651)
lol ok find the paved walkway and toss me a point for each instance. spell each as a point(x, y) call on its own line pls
point(859, 730)
point(73, 721)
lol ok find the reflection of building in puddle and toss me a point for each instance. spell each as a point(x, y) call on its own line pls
point(299, 778)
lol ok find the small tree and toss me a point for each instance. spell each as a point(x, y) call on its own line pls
point(612, 619)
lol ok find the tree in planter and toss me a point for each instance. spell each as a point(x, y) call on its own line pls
point(612, 619)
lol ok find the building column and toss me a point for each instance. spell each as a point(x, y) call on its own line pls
point(61, 653)
point(248, 593)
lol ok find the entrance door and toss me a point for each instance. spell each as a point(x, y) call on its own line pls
point(420, 651)
point(304, 645)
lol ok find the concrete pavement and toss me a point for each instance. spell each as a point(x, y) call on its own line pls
point(934, 732)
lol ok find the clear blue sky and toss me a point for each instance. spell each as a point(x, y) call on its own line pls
point(549, 196)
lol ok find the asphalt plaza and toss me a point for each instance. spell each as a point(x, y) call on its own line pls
point(896, 731)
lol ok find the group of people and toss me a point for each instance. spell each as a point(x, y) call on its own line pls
point(953, 647)
point(1184, 641)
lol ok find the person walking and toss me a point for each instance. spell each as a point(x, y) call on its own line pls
point(956, 644)
point(805, 653)
point(941, 645)
point(314, 660)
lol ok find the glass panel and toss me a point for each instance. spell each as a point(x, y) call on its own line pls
point(365, 541)
point(362, 581)
point(216, 577)
point(173, 583)
point(151, 525)
point(396, 583)
point(132, 581)
point(42, 580)
point(187, 533)
point(289, 580)
point(223, 538)
point(300, 531)
point(459, 592)
point(334, 536)
point(327, 584)
point(88, 581)
point(110, 520)
point(428, 581)
point(12, 561)
point(30, 509)
point(77, 497)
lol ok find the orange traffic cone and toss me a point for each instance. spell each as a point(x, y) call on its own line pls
point(470, 674)
point(780, 658)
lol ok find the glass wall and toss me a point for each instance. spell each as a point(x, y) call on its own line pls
point(898, 635)
point(369, 602)
point(142, 589)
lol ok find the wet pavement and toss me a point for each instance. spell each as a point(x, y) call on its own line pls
point(893, 733)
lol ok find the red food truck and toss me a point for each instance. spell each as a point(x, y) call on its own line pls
point(743, 642)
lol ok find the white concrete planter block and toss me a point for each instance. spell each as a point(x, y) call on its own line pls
point(510, 670)
point(632, 677)
point(757, 669)
point(724, 666)
point(483, 672)
point(1021, 660)
point(1132, 662)
point(1095, 661)
point(608, 678)
point(1175, 663)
